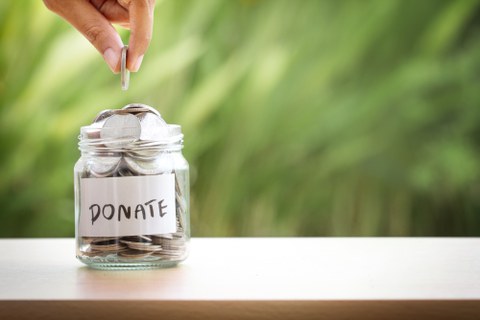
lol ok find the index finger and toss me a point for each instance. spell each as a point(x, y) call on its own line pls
point(93, 25)
point(141, 25)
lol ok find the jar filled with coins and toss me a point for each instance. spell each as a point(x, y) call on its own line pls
point(131, 191)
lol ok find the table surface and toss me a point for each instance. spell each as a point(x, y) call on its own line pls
point(310, 271)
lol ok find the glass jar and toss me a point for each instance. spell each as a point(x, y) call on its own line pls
point(131, 191)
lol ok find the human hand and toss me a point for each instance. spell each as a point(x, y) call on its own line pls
point(94, 20)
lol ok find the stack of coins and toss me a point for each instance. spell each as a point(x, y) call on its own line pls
point(127, 136)
point(145, 247)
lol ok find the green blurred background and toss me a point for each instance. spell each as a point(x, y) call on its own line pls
point(308, 118)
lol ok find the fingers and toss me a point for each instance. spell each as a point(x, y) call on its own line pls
point(112, 10)
point(93, 25)
point(141, 24)
point(92, 18)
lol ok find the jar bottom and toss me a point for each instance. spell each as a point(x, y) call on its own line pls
point(133, 252)
point(116, 264)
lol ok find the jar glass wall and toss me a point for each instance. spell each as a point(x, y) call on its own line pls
point(131, 196)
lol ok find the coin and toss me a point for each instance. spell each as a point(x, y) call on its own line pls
point(103, 115)
point(143, 167)
point(144, 247)
point(172, 254)
point(107, 247)
point(153, 126)
point(178, 190)
point(124, 172)
point(124, 73)
point(135, 254)
point(140, 107)
point(102, 166)
point(120, 130)
point(144, 154)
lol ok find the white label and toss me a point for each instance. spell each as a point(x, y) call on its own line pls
point(125, 206)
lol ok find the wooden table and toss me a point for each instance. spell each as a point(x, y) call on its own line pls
point(251, 278)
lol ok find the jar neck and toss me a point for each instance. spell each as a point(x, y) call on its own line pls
point(95, 140)
point(105, 148)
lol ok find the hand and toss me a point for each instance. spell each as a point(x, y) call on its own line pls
point(94, 20)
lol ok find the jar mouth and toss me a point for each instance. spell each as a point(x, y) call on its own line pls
point(94, 138)
point(133, 127)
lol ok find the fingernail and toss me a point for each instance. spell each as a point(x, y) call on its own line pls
point(112, 58)
point(138, 63)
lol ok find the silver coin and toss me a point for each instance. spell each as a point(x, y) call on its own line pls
point(172, 246)
point(142, 243)
point(152, 248)
point(173, 242)
point(144, 167)
point(169, 253)
point(180, 219)
point(103, 115)
point(120, 130)
point(122, 170)
point(108, 247)
point(180, 202)
point(140, 107)
point(178, 190)
point(133, 110)
point(103, 166)
point(124, 73)
point(135, 254)
point(168, 243)
point(144, 154)
point(136, 245)
point(178, 235)
point(153, 127)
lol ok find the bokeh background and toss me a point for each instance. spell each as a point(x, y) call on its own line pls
point(301, 118)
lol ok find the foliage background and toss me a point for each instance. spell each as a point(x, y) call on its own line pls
point(309, 118)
